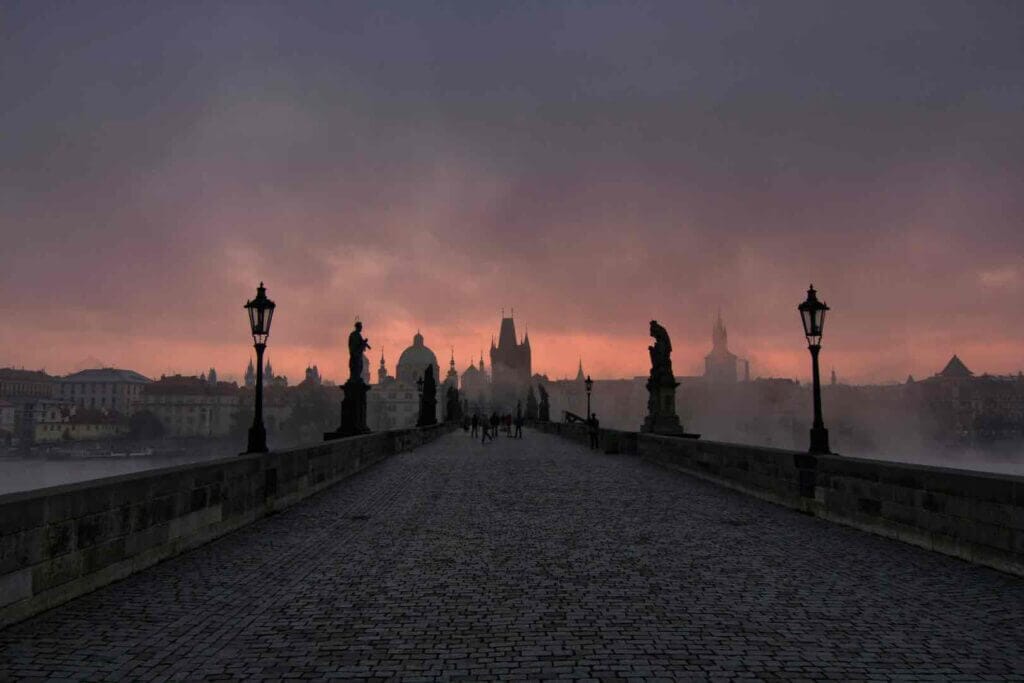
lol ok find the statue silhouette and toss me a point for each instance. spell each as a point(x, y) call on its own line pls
point(356, 346)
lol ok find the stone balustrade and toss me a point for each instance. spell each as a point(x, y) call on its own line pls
point(61, 542)
point(975, 516)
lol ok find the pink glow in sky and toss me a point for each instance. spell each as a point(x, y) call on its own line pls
point(593, 166)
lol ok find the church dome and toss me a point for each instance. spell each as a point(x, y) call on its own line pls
point(414, 361)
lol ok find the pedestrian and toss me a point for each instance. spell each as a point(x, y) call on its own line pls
point(495, 421)
point(475, 424)
point(593, 426)
point(486, 433)
point(519, 426)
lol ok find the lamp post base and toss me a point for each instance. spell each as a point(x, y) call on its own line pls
point(819, 441)
point(257, 440)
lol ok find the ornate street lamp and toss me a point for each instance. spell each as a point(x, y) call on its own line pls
point(589, 384)
point(261, 311)
point(812, 314)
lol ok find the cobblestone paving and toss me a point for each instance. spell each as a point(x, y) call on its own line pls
point(535, 559)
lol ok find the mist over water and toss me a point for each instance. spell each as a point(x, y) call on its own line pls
point(908, 423)
point(25, 472)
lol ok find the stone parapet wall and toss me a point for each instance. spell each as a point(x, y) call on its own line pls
point(975, 516)
point(61, 542)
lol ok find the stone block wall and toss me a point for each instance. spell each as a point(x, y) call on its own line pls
point(975, 516)
point(61, 542)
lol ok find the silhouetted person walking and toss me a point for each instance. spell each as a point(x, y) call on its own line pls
point(519, 426)
point(593, 425)
point(485, 432)
point(475, 424)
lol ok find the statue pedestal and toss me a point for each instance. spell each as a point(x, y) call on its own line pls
point(353, 411)
point(661, 410)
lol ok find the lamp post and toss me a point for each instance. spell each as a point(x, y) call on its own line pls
point(812, 314)
point(261, 311)
point(589, 384)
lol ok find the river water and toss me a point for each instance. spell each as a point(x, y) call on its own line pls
point(42, 467)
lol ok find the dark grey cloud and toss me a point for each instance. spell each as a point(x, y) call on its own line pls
point(595, 162)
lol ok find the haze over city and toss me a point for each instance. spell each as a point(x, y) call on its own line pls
point(590, 340)
point(424, 165)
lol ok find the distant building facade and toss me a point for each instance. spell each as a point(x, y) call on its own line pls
point(392, 404)
point(414, 360)
point(313, 374)
point(511, 367)
point(26, 384)
point(476, 387)
point(720, 366)
point(7, 422)
point(108, 389)
point(192, 407)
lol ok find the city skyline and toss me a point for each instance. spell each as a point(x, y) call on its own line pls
point(691, 355)
point(594, 166)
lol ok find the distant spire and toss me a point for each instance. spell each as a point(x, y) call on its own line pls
point(579, 372)
point(719, 336)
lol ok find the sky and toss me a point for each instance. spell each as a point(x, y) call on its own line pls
point(591, 165)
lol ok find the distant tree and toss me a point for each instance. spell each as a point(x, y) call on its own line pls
point(532, 409)
point(314, 410)
point(453, 407)
point(145, 425)
point(241, 419)
point(428, 400)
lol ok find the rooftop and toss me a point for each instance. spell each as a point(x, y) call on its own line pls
point(955, 369)
point(179, 385)
point(25, 375)
point(107, 375)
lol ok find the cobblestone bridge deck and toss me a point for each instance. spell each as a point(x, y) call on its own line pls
point(536, 559)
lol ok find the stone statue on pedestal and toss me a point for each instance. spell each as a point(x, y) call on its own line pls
point(356, 346)
point(353, 404)
point(661, 387)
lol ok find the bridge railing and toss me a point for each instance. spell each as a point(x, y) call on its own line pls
point(61, 542)
point(975, 516)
